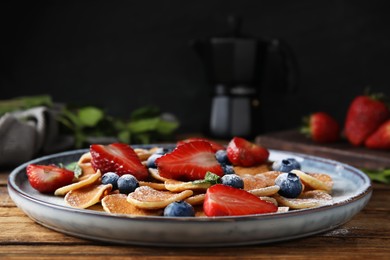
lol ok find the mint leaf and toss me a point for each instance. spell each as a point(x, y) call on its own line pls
point(74, 167)
point(210, 178)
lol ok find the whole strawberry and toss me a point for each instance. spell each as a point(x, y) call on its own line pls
point(322, 128)
point(365, 114)
point(380, 139)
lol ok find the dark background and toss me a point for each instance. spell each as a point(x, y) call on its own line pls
point(122, 55)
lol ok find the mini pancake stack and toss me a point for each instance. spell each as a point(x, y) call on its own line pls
point(153, 195)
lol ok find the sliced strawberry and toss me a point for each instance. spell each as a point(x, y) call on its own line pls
point(216, 146)
point(241, 152)
point(223, 200)
point(189, 161)
point(48, 178)
point(119, 158)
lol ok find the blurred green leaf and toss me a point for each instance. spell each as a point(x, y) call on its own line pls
point(27, 102)
point(124, 136)
point(166, 127)
point(382, 175)
point(144, 125)
point(90, 116)
point(143, 138)
point(144, 112)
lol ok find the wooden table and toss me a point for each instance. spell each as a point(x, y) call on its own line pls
point(367, 235)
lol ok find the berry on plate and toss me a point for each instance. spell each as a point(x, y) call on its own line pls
point(290, 185)
point(151, 161)
point(241, 152)
point(365, 114)
point(322, 128)
point(286, 165)
point(179, 209)
point(48, 178)
point(127, 183)
point(222, 158)
point(223, 200)
point(380, 139)
point(216, 146)
point(233, 180)
point(189, 161)
point(119, 158)
point(110, 178)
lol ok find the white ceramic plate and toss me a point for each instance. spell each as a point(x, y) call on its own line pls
point(352, 191)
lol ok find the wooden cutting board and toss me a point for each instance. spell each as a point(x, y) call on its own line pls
point(292, 140)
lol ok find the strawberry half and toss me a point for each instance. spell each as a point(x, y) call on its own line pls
point(223, 200)
point(241, 152)
point(189, 161)
point(216, 146)
point(380, 139)
point(48, 178)
point(119, 158)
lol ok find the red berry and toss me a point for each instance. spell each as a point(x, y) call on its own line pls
point(365, 114)
point(241, 152)
point(48, 178)
point(380, 139)
point(216, 146)
point(323, 128)
point(189, 161)
point(119, 158)
point(223, 200)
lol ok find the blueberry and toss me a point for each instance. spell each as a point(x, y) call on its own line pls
point(127, 183)
point(162, 150)
point(222, 158)
point(290, 185)
point(228, 169)
point(233, 180)
point(179, 209)
point(286, 165)
point(151, 161)
point(110, 178)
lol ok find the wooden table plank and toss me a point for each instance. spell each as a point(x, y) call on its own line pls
point(366, 235)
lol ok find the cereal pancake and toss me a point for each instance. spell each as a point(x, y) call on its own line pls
point(148, 198)
point(118, 204)
point(87, 196)
point(83, 182)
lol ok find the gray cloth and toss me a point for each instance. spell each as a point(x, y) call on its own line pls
point(25, 134)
